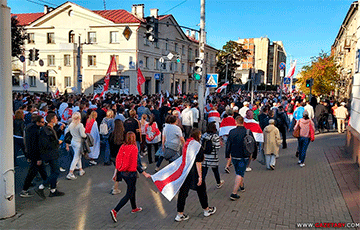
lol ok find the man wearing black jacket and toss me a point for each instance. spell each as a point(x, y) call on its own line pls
point(32, 133)
point(49, 151)
point(281, 123)
point(240, 157)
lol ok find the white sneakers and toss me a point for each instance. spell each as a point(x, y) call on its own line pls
point(302, 165)
point(71, 177)
point(248, 169)
point(81, 173)
point(93, 162)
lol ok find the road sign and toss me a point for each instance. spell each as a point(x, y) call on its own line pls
point(26, 86)
point(287, 81)
point(157, 76)
point(22, 58)
point(141, 64)
point(212, 80)
point(131, 65)
point(282, 65)
point(170, 56)
point(161, 60)
point(282, 73)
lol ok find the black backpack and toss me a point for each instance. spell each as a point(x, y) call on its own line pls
point(279, 121)
point(249, 142)
point(207, 145)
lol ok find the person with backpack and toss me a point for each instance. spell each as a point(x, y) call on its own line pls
point(152, 136)
point(106, 128)
point(241, 146)
point(211, 144)
point(281, 123)
point(272, 141)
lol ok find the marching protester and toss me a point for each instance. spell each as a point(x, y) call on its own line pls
point(240, 156)
point(341, 114)
point(307, 131)
point(128, 165)
point(153, 137)
point(18, 131)
point(93, 129)
point(108, 124)
point(272, 141)
point(187, 119)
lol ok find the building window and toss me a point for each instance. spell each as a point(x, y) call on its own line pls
point(156, 44)
point(32, 80)
point(51, 60)
point(176, 47)
point(182, 67)
point(157, 63)
point(92, 37)
point(67, 82)
point(116, 59)
point(31, 38)
point(50, 38)
point(114, 37)
point(71, 36)
point(196, 53)
point(146, 62)
point(166, 46)
point(171, 66)
point(183, 50)
point(52, 81)
point(67, 60)
point(163, 66)
point(190, 54)
point(146, 42)
point(15, 80)
point(91, 60)
point(175, 67)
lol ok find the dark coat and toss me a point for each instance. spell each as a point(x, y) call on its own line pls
point(18, 127)
point(263, 120)
point(48, 144)
point(235, 144)
point(32, 134)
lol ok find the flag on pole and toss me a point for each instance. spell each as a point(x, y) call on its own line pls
point(112, 68)
point(207, 93)
point(292, 70)
point(255, 129)
point(221, 88)
point(239, 91)
point(179, 89)
point(167, 93)
point(170, 179)
point(161, 100)
point(140, 81)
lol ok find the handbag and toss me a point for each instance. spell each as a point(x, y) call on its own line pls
point(312, 133)
point(296, 132)
point(68, 138)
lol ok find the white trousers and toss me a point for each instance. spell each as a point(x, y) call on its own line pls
point(77, 156)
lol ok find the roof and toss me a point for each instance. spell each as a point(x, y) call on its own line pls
point(196, 41)
point(26, 19)
point(116, 16)
point(161, 17)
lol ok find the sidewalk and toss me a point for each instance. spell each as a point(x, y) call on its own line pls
point(273, 199)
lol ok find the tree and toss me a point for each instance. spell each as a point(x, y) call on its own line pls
point(18, 36)
point(232, 53)
point(324, 71)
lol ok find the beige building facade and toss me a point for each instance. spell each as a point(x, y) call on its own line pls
point(103, 34)
point(265, 57)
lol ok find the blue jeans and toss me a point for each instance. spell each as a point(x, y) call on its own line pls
point(54, 173)
point(270, 160)
point(303, 145)
point(107, 150)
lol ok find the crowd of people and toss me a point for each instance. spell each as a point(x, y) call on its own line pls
point(123, 129)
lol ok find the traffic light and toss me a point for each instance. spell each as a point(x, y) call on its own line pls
point(198, 69)
point(309, 83)
point(44, 76)
point(36, 54)
point(178, 58)
point(31, 55)
point(152, 25)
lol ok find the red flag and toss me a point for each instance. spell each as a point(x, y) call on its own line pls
point(140, 81)
point(292, 70)
point(112, 68)
point(179, 89)
point(222, 87)
point(239, 91)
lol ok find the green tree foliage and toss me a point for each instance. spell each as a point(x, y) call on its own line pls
point(18, 36)
point(232, 53)
point(324, 71)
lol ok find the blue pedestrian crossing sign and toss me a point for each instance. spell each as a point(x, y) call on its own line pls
point(157, 76)
point(212, 80)
point(287, 81)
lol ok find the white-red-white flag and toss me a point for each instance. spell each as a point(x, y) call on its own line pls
point(291, 70)
point(221, 88)
point(161, 100)
point(239, 91)
point(140, 81)
point(112, 68)
point(170, 179)
point(255, 129)
point(227, 124)
point(179, 89)
point(96, 97)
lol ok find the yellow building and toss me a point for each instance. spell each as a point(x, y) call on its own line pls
point(57, 33)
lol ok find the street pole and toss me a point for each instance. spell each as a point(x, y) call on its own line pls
point(78, 63)
point(7, 182)
point(226, 74)
point(311, 82)
point(202, 40)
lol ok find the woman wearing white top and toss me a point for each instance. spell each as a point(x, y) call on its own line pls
point(77, 130)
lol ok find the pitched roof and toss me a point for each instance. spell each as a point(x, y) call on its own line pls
point(116, 16)
point(197, 41)
point(161, 17)
point(26, 19)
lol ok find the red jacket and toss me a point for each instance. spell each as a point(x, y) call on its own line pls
point(126, 159)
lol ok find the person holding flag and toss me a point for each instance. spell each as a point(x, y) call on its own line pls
point(184, 174)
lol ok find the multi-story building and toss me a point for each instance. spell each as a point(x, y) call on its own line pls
point(265, 57)
point(99, 35)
